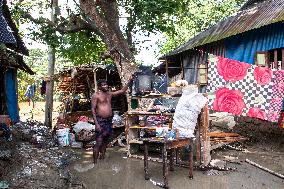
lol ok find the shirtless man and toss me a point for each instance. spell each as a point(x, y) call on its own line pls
point(102, 114)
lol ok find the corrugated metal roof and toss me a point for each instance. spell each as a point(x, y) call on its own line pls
point(255, 16)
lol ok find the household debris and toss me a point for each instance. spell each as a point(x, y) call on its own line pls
point(5, 154)
point(218, 139)
point(222, 120)
point(33, 156)
point(4, 184)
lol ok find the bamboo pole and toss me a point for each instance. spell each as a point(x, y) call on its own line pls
point(265, 169)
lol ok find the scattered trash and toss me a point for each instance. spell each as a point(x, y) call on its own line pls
point(212, 172)
point(63, 137)
point(5, 154)
point(116, 169)
point(237, 148)
point(157, 183)
point(75, 144)
point(83, 167)
point(33, 156)
point(4, 184)
point(118, 139)
point(232, 159)
point(218, 163)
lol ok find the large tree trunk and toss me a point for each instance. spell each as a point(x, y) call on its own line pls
point(104, 17)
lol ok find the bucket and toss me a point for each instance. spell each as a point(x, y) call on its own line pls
point(63, 137)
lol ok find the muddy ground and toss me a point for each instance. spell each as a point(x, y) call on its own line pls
point(33, 166)
point(119, 172)
point(264, 148)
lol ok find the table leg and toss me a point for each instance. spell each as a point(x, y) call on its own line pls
point(190, 173)
point(146, 161)
point(171, 159)
point(177, 156)
point(165, 166)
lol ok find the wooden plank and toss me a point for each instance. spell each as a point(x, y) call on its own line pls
point(221, 134)
point(275, 59)
point(205, 138)
point(198, 141)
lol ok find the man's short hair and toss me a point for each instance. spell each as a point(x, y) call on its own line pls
point(100, 81)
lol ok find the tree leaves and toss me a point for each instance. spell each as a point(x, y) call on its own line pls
point(200, 15)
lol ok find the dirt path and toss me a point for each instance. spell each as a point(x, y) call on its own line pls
point(37, 113)
point(119, 172)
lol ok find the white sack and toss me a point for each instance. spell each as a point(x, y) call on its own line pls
point(188, 108)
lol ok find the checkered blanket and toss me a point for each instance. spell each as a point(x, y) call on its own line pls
point(243, 89)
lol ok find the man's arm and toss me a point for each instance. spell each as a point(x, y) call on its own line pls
point(123, 89)
point(94, 106)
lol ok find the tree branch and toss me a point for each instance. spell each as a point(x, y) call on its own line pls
point(74, 24)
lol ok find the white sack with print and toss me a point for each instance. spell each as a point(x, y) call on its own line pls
point(187, 110)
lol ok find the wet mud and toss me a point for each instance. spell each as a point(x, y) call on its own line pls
point(119, 172)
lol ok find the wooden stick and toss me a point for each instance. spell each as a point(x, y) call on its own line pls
point(265, 169)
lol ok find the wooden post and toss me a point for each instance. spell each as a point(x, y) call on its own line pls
point(275, 60)
point(95, 80)
point(165, 166)
point(198, 141)
point(50, 81)
point(146, 161)
point(182, 68)
point(205, 139)
point(190, 172)
point(167, 71)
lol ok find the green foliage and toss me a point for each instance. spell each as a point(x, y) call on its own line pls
point(81, 47)
point(85, 47)
point(179, 20)
point(153, 15)
point(200, 15)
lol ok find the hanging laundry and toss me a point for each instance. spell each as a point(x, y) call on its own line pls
point(43, 88)
point(30, 92)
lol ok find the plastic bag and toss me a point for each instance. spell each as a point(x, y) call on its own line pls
point(188, 108)
point(80, 125)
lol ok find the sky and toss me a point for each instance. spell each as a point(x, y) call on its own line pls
point(148, 54)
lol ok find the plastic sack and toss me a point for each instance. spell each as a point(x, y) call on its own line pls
point(80, 125)
point(187, 110)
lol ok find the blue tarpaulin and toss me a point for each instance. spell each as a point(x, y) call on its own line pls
point(11, 95)
point(242, 47)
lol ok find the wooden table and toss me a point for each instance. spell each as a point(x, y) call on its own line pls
point(167, 145)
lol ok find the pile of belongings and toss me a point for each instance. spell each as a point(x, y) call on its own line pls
point(84, 131)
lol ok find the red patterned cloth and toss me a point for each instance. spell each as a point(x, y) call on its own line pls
point(243, 89)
